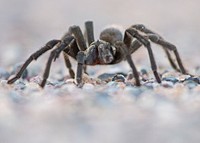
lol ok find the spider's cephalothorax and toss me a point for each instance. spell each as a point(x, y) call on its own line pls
point(112, 47)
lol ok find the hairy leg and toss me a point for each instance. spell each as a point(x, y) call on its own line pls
point(133, 33)
point(53, 56)
point(89, 32)
point(123, 49)
point(156, 38)
point(34, 56)
point(79, 72)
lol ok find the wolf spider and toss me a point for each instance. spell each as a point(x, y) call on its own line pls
point(112, 47)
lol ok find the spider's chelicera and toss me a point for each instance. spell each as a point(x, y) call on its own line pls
point(112, 47)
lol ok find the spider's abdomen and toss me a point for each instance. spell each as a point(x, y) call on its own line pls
point(111, 34)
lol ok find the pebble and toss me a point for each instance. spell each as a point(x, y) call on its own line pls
point(170, 79)
point(151, 84)
point(143, 72)
point(106, 76)
point(195, 79)
point(182, 78)
point(191, 82)
point(4, 74)
point(167, 84)
point(118, 78)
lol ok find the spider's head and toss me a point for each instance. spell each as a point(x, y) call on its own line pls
point(106, 52)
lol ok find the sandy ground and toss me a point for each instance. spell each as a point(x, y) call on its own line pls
point(110, 112)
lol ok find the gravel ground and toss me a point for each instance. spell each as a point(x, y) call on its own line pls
point(106, 109)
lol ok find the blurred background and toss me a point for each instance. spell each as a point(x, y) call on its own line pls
point(27, 25)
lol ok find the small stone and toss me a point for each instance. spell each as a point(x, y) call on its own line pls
point(106, 76)
point(182, 78)
point(195, 79)
point(167, 84)
point(170, 79)
point(118, 78)
point(151, 84)
point(143, 72)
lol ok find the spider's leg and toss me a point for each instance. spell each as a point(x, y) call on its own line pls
point(89, 32)
point(68, 65)
point(79, 74)
point(74, 50)
point(78, 35)
point(171, 61)
point(123, 48)
point(89, 36)
point(134, 70)
point(132, 46)
point(34, 56)
point(54, 54)
point(76, 31)
point(171, 47)
point(132, 32)
point(156, 38)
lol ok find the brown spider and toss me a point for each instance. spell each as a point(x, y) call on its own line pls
point(112, 48)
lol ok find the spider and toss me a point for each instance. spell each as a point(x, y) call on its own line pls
point(112, 47)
